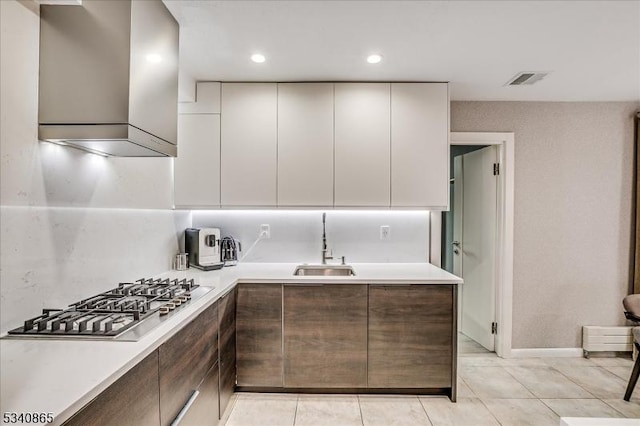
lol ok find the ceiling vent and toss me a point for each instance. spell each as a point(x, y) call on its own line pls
point(526, 78)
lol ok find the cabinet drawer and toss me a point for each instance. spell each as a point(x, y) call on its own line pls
point(227, 342)
point(204, 408)
point(185, 360)
point(132, 399)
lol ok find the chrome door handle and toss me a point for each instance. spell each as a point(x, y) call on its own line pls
point(185, 409)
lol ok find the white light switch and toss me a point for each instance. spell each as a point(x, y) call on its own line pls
point(265, 231)
point(385, 232)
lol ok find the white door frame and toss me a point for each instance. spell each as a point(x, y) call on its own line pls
point(504, 287)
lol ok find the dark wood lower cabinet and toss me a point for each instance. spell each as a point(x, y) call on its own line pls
point(325, 336)
point(411, 336)
point(184, 361)
point(322, 337)
point(259, 335)
point(132, 400)
point(204, 409)
point(227, 342)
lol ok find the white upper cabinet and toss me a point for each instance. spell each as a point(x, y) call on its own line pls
point(362, 144)
point(197, 167)
point(207, 99)
point(419, 145)
point(305, 144)
point(249, 144)
point(314, 145)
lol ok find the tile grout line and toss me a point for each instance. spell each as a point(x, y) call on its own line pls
point(573, 381)
point(425, 410)
point(551, 408)
point(615, 409)
point(295, 413)
point(597, 399)
point(468, 387)
point(521, 384)
point(489, 411)
point(360, 408)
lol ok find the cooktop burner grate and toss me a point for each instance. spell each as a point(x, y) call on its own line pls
point(110, 314)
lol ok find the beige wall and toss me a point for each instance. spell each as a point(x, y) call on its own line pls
point(573, 183)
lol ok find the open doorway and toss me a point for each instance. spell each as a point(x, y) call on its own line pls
point(469, 242)
point(504, 143)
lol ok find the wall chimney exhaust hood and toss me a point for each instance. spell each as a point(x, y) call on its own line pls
point(109, 77)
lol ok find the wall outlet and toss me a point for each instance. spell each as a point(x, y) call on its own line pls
point(265, 231)
point(385, 232)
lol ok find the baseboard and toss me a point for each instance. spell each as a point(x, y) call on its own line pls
point(546, 352)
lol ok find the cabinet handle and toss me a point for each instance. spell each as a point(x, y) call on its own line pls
point(393, 285)
point(305, 284)
point(185, 409)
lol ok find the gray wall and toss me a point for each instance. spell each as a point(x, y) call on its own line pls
point(72, 224)
point(573, 183)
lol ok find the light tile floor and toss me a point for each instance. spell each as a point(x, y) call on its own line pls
point(491, 391)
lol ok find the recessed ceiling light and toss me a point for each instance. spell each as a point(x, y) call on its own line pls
point(154, 58)
point(258, 58)
point(374, 59)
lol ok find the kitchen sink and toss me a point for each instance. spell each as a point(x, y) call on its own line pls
point(326, 270)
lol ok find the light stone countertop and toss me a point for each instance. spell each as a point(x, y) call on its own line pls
point(61, 376)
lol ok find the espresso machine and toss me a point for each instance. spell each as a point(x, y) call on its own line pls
point(203, 246)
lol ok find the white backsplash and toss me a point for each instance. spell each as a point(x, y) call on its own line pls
point(296, 236)
point(55, 256)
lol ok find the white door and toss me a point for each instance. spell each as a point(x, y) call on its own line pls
point(478, 244)
point(456, 249)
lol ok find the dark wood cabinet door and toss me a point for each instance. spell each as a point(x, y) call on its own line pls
point(185, 359)
point(227, 342)
point(204, 410)
point(325, 336)
point(131, 400)
point(259, 335)
point(411, 336)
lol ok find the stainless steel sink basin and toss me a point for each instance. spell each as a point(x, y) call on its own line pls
point(326, 270)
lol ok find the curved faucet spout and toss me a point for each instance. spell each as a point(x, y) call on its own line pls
point(325, 256)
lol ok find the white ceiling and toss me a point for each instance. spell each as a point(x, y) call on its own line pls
point(590, 48)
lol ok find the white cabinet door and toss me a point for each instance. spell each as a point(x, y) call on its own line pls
point(362, 147)
point(249, 144)
point(419, 145)
point(305, 144)
point(207, 99)
point(197, 166)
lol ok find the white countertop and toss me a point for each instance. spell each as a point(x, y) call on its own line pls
point(61, 376)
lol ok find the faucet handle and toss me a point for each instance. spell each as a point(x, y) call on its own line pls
point(343, 260)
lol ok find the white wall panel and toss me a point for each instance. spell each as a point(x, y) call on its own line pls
point(296, 236)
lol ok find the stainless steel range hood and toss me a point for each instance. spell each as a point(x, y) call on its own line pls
point(109, 77)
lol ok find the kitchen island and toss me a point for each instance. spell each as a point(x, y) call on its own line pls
point(62, 376)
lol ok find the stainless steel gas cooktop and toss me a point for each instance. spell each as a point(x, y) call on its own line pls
point(125, 313)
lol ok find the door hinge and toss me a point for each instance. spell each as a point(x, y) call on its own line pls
point(494, 328)
point(496, 169)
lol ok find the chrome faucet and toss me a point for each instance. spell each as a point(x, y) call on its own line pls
point(324, 241)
